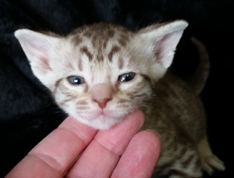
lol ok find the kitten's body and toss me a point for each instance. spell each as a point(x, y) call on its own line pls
point(179, 119)
point(100, 73)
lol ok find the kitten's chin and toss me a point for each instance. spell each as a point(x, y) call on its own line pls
point(101, 122)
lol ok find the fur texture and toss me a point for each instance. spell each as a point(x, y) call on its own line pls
point(100, 73)
point(23, 98)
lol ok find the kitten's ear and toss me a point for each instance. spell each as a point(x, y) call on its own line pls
point(38, 49)
point(161, 40)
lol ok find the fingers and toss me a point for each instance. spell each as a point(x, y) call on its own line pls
point(54, 155)
point(102, 155)
point(140, 157)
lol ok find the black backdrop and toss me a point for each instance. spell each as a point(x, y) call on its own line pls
point(27, 113)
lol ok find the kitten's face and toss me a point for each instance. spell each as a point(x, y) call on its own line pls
point(100, 85)
point(98, 74)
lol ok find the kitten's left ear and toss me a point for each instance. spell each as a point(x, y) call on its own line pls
point(161, 40)
point(39, 49)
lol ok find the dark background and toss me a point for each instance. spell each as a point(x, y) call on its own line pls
point(27, 112)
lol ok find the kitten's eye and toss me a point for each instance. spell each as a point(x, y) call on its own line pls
point(126, 77)
point(75, 80)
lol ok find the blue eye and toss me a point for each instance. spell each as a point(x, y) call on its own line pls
point(126, 77)
point(76, 80)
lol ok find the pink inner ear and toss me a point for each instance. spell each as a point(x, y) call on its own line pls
point(158, 52)
point(40, 57)
point(45, 66)
point(165, 48)
point(161, 48)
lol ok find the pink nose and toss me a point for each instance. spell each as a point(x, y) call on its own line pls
point(102, 102)
point(101, 93)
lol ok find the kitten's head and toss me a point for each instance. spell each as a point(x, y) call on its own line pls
point(100, 73)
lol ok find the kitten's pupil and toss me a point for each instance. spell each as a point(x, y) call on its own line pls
point(75, 80)
point(126, 77)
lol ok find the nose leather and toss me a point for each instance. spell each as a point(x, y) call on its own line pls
point(101, 94)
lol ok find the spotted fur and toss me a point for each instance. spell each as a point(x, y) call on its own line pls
point(117, 71)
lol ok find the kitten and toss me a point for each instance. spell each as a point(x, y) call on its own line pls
point(100, 73)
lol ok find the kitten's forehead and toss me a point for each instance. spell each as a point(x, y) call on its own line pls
point(101, 32)
point(100, 39)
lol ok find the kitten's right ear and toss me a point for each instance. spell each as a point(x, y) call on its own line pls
point(38, 48)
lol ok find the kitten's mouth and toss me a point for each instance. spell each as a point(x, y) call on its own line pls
point(99, 120)
point(100, 115)
point(103, 116)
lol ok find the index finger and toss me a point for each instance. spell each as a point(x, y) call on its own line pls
point(54, 155)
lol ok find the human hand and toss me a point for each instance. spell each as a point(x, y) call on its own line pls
point(122, 151)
